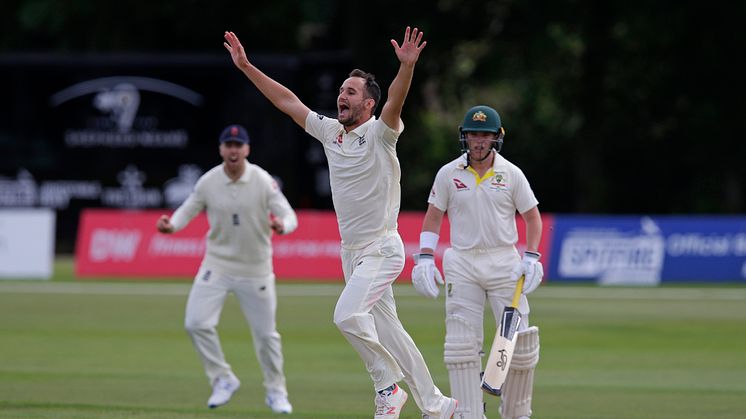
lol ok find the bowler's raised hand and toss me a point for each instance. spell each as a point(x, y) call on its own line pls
point(233, 45)
point(409, 51)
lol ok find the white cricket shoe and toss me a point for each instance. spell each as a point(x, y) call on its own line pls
point(222, 391)
point(389, 403)
point(447, 409)
point(279, 403)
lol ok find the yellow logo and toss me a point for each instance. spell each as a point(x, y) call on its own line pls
point(479, 116)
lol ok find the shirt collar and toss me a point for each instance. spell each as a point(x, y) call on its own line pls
point(461, 163)
point(363, 128)
point(244, 177)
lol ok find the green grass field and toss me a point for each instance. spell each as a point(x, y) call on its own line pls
point(117, 349)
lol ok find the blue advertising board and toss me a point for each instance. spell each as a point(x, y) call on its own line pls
point(647, 250)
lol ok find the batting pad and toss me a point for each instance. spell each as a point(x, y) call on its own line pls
point(462, 360)
point(519, 385)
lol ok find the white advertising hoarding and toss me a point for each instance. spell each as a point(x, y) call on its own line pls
point(26, 243)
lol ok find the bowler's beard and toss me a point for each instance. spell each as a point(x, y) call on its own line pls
point(353, 116)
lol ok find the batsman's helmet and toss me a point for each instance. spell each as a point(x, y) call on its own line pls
point(482, 118)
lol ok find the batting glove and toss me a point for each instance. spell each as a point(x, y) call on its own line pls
point(425, 275)
point(531, 268)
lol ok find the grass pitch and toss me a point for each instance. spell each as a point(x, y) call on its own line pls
point(117, 349)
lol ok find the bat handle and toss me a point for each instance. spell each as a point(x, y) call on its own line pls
point(517, 292)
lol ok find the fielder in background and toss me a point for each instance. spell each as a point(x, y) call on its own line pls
point(244, 205)
point(364, 175)
point(481, 191)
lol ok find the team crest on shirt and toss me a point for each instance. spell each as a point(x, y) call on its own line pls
point(361, 141)
point(460, 186)
point(498, 182)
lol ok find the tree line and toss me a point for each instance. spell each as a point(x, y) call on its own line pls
point(609, 107)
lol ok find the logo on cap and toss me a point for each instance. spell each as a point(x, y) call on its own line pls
point(479, 116)
point(235, 133)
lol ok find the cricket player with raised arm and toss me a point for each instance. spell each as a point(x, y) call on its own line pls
point(244, 206)
point(481, 192)
point(364, 175)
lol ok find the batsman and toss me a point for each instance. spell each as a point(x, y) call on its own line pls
point(481, 191)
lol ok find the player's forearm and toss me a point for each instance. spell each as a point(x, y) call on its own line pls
point(533, 229)
point(184, 214)
point(397, 93)
point(280, 207)
point(431, 223)
point(280, 96)
point(400, 85)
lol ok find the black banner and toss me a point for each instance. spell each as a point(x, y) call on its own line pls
point(136, 131)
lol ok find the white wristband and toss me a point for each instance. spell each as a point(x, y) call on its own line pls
point(428, 240)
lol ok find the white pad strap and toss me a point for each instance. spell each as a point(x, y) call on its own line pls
point(461, 341)
point(526, 354)
point(463, 362)
point(519, 386)
point(458, 353)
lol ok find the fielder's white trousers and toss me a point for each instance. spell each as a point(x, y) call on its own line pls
point(258, 301)
point(366, 316)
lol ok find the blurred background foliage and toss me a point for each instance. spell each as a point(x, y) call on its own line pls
point(609, 107)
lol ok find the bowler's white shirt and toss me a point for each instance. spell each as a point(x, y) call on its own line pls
point(482, 214)
point(239, 239)
point(364, 174)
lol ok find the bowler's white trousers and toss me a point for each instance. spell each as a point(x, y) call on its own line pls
point(366, 316)
point(258, 300)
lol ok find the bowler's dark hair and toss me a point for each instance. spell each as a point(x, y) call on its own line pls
point(372, 90)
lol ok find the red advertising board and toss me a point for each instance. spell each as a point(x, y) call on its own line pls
point(126, 243)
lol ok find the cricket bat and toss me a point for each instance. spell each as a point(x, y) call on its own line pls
point(501, 353)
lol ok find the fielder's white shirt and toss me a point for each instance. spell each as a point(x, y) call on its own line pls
point(364, 174)
point(482, 211)
point(239, 238)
